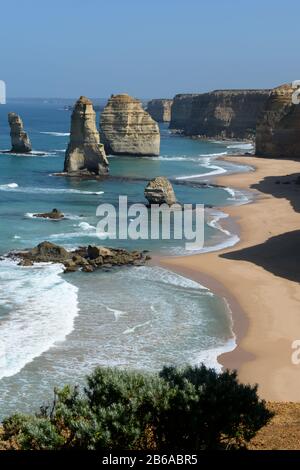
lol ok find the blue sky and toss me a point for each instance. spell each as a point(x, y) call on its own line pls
point(147, 48)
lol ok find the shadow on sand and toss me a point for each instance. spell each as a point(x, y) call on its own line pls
point(280, 254)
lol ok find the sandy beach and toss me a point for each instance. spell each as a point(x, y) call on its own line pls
point(259, 276)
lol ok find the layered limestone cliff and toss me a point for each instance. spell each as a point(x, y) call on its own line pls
point(127, 129)
point(181, 110)
point(226, 114)
point(278, 127)
point(20, 142)
point(160, 109)
point(220, 114)
point(85, 153)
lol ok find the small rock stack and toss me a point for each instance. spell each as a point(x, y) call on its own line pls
point(160, 191)
point(20, 142)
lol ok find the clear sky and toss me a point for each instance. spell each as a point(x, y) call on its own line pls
point(147, 48)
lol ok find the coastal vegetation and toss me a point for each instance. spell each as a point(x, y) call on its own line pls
point(189, 408)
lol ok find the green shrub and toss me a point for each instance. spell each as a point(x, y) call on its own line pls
point(190, 408)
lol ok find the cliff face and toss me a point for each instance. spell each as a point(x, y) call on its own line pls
point(127, 129)
point(181, 110)
point(278, 127)
point(228, 114)
point(20, 142)
point(84, 152)
point(160, 109)
point(224, 114)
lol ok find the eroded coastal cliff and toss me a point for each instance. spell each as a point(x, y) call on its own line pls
point(278, 127)
point(160, 109)
point(220, 114)
point(20, 142)
point(127, 129)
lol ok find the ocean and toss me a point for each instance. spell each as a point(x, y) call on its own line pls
point(55, 328)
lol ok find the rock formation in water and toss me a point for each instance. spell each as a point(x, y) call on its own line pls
point(220, 114)
point(278, 127)
point(160, 109)
point(127, 129)
point(181, 110)
point(55, 214)
point(20, 142)
point(160, 191)
point(85, 154)
point(84, 258)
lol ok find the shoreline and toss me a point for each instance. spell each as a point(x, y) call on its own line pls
point(246, 276)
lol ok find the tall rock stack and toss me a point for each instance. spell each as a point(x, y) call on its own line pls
point(20, 142)
point(160, 109)
point(127, 129)
point(85, 153)
point(278, 128)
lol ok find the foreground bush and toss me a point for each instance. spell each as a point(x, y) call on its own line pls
point(190, 408)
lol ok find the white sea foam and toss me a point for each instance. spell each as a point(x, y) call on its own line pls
point(84, 233)
point(219, 154)
point(214, 222)
point(216, 170)
point(14, 187)
point(87, 227)
point(241, 145)
point(9, 186)
point(132, 330)
point(209, 357)
point(41, 308)
point(57, 134)
point(162, 275)
point(237, 196)
point(33, 153)
point(117, 313)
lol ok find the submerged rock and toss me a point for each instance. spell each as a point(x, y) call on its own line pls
point(160, 109)
point(160, 191)
point(20, 142)
point(127, 129)
point(55, 214)
point(85, 154)
point(86, 259)
point(278, 128)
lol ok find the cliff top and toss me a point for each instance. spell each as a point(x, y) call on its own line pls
point(123, 97)
point(83, 100)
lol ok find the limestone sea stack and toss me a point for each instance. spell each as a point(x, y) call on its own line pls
point(127, 129)
point(159, 190)
point(20, 142)
point(278, 127)
point(160, 109)
point(85, 154)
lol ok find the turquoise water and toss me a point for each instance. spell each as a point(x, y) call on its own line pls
point(55, 328)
